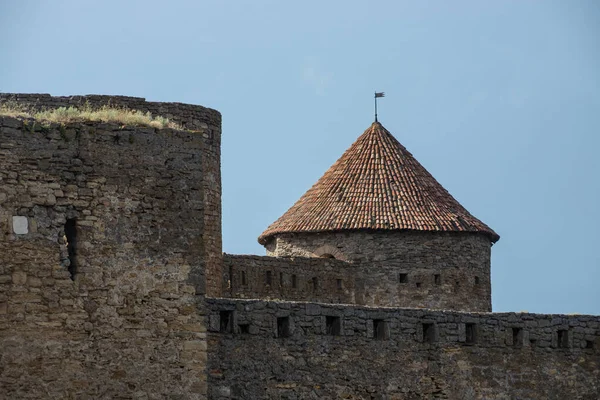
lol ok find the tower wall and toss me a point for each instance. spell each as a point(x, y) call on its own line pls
point(102, 261)
point(404, 269)
point(207, 124)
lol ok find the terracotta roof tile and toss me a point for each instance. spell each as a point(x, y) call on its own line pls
point(377, 184)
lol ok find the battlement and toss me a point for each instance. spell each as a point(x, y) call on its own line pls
point(395, 351)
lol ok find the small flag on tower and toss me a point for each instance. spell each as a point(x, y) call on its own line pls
point(377, 94)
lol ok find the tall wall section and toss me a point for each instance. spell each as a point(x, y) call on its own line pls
point(404, 269)
point(191, 117)
point(296, 350)
point(102, 260)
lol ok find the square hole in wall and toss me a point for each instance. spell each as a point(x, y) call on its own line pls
point(437, 279)
point(517, 337)
point(315, 283)
point(283, 327)
point(380, 331)
point(563, 338)
point(294, 281)
point(470, 333)
point(403, 277)
point(429, 332)
point(418, 284)
point(243, 278)
point(244, 328)
point(338, 284)
point(333, 325)
point(225, 321)
point(589, 344)
point(477, 280)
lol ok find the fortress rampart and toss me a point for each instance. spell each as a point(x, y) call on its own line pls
point(102, 261)
point(311, 350)
point(207, 123)
point(113, 285)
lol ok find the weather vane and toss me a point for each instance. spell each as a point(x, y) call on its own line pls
point(377, 94)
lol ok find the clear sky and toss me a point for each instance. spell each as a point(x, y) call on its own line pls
point(499, 100)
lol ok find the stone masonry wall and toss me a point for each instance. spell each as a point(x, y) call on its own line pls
point(102, 262)
point(405, 269)
point(192, 117)
point(307, 279)
point(294, 350)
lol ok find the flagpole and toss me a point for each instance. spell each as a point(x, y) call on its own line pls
point(375, 106)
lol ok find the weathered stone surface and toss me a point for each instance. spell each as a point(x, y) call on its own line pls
point(440, 270)
point(311, 364)
point(113, 319)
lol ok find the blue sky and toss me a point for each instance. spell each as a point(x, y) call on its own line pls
point(500, 101)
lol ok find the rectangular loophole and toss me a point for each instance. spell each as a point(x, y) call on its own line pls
point(477, 280)
point(315, 283)
point(437, 279)
point(71, 237)
point(281, 279)
point(470, 333)
point(333, 325)
point(403, 277)
point(380, 330)
point(225, 321)
point(243, 278)
point(338, 284)
point(563, 338)
point(269, 278)
point(283, 327)
point(428, 332)
point(589, 344)
point(294, 281)
point(517, 337)
point(244, 328)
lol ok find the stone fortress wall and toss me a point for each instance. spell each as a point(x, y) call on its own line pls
point(191, 117)
point(103, 258)
point(298, 350)
point(399, 269)
point(134, 311)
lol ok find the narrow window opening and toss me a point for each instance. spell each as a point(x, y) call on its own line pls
point(418, 284)
point(244, 328)
point(437, 279)
point(533, 342)
point(589, 344)
point(477, 280)
point(244, 282)
point(283, 327)
point(281, 279)
point(470, 333)
point(333, 325)
point(379, 329)
point(269, 278)
point(327, 255)
point(563, 338)
point(428, 333)
point(315, 283)
point(71, 236)
point(517, 335)
point(403, 277)
point(226, 321)
point(338, 283)
point(294, 281)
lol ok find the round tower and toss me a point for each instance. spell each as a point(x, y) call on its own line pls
point(377, 207)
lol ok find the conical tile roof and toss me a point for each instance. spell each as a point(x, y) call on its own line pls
point(377, 185)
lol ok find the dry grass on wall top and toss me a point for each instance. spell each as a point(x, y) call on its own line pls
point(65, 115)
